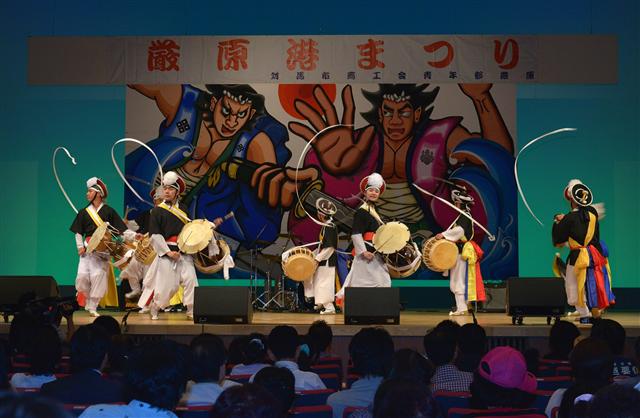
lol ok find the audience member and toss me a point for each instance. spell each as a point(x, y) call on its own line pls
point(109, 324)
point(254, 355)
point(615, 401)
point(562, 338)
point(615, 336)
point(29, 406)
point(117, 357)
point(409, 364)
point(440, 347)
point(280, 383)
point(236, 348)
point(4, 368)
point(472, 345)
point(319, 338)
point(246, 401)
point(404, 398)
point(43, 353)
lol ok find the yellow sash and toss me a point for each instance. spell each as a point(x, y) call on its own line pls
point(372, 211)
point(582, 262)
point(111, 297)
point(176, 211)
point(471, 257)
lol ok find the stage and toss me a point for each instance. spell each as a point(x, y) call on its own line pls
point(408, 334)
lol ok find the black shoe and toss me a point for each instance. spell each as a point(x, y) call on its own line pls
point(586, 320)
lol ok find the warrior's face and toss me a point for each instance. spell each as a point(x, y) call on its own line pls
point(398, 119)
point(91, 195)
point(170, 193)
point(372, 194)
point(230, 116)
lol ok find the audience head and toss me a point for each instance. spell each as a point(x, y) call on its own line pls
point(118, 354)
point(89, 346)
point(592, 367)
point(449, 328)
point(4, 368)
point(255, 349)
point(404, 398)
point(109, 324)
point(208, 357)
point(283, 342)
point(637, 350)
point(616, 401)
point(562, 338)
point(20, 332)
point(246, 401)
point(472, 345)
point(409, 364)
point(440, 346)
point(29, 406)
point(45, 350)
point(610, 332)
point(280, 383)
point(236, 350)
point(319, 338)
point(371, 351)
point(157, 373)
point(502, 380)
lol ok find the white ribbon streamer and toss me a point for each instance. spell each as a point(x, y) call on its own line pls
point(55, 173)
point(115, 164)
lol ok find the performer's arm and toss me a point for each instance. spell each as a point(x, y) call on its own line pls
point(454, 234)
point(560, 232)
point(329, 244)
point(166, 96)
point(159, 245)
point(79, 244)
point(325, 254)
point(358, 244)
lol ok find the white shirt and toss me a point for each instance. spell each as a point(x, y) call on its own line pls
point(554, 401)
point(30, 381)
point(304, 380)
point(205, 393)
point(135, 408)
point(360, 394)
point(254, 368)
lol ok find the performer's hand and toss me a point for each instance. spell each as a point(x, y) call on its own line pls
point(475, 91)
point(174, 255)
point(217, 221)
point(277, 185)
point(558, 217)
point(439, 236)
point(368, 255)
point(336, 147)
point(139, 236)
point(81, 251)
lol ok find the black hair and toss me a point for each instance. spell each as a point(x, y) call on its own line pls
point(29, 406)
point(562, 337)
point(472, 345)
point(319, 338)
point(45, 350)
point(610, 332)
point(440, 346)
point(208, 355)
point(283, 341)
point(4, 368)
point(118, 354)
point(109, 324)
point(404, 398)
point(409, 364)
point(235, 354)
point(280, 382)
point(89, 346)
point(255, 349)
point(371, 351)
point(22, 325)
point(243, 91)
point(616, 401)
point(157, 373)
point(246, 401)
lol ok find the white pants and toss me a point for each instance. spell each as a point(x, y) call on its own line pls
point(571, 287)
point(457, 285)
point(163, 279)
point(134, 273)
point(322, 285)
point(92, 278)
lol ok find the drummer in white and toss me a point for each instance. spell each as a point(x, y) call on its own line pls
point(368, 269)
point(322, 286)
point(170, 269)
point(465, 279)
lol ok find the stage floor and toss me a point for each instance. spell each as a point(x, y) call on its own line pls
point(412, 324)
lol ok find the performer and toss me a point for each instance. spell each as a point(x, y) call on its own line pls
point(94, 271)
point(368, 269)
point(588, 275)
point(465, 279)
point(135, 270)
point(322, 286)
point(170, 269)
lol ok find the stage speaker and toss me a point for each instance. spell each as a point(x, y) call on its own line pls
point(13, 288)
point(535, 297)
point(222, 305)
point(496, 298)
point(371, 305)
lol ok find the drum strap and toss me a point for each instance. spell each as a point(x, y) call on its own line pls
point(176, 211)
point(93, 214)
point(372, 210)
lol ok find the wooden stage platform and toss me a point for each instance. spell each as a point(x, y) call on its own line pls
point(408, 334)
point(412, 324)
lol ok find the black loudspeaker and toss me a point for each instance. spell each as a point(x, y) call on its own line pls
point(371, 305)
point(13, 288)
point(496, 298)
point(535, 297)
point(222, 305)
